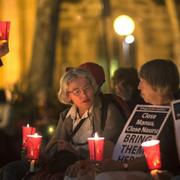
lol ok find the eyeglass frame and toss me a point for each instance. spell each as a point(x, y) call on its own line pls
point(77, 91)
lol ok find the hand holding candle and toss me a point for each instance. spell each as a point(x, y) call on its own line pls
point(96, 147)
point(33, 146)
point(152, 154)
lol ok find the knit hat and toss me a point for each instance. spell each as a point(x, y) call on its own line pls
point(96, 70)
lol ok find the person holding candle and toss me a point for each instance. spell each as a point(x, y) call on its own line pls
point(159, 80)
point(78, 88)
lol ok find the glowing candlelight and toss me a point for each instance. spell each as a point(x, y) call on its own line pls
point(96, 147)
point(4, 30)
point(152, 154)
point(33, 146)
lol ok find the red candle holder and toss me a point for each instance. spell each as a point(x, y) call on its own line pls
point(96, 148)
point(26, 130)
point(33, 146)
point(152, 154)
point(4, 30)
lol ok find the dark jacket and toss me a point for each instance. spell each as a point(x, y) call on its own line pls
point(168, 147)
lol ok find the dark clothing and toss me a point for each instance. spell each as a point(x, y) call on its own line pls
point(14, 170)
point(135, 99)
point(113, 125)
point(168, 147)
point(7, 150)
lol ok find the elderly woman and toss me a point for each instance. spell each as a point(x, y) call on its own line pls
point(78, 88)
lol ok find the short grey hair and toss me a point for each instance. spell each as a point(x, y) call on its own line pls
point(68, 77)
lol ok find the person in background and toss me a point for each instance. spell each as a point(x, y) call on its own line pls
point(6, 114)
point(125, 85)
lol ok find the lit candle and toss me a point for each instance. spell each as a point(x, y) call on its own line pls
point(33, 146)
point(96, 147)
point(4, 30)
point(152, 154)
point(27, 130)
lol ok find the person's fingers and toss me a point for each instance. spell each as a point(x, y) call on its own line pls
point(73, 170)
point(1, 63)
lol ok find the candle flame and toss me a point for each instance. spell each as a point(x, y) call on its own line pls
point(35, 135)
point(27, 125)
point(96, 135)
point(154, 172)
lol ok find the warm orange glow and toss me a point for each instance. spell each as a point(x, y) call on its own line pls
point(16, 62)
point(150, 143)
point(124, 25)
point(96, 135)
point(35, 135)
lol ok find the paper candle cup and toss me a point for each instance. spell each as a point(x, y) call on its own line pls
point(96, 148)
point(33, 146)
point(4, 30)
point(152, 154)
point(27, 130)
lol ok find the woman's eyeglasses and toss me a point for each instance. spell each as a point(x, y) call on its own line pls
point(77, 92)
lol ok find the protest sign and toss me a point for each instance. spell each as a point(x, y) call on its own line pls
point(175, 106)
point(145, 123)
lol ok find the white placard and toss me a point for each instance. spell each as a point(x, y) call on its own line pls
point(145, 123)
